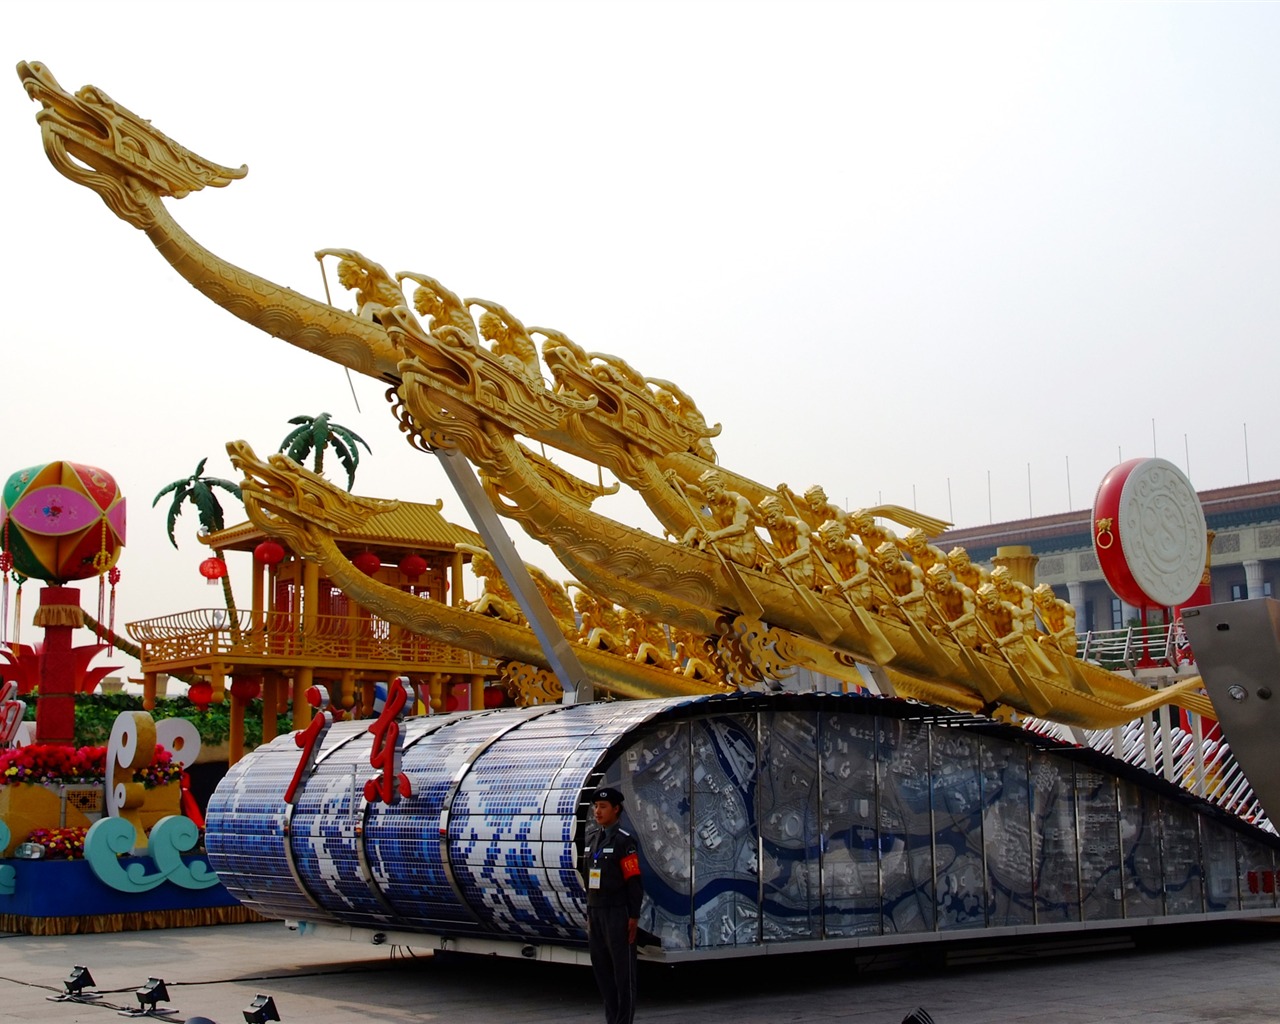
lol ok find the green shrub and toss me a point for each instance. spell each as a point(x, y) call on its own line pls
point(96, 713)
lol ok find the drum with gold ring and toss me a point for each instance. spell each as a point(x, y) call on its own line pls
point(1149, 533)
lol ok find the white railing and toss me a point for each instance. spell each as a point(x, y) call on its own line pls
point(1135, 647)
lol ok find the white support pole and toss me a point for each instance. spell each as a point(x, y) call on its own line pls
point(564, 663)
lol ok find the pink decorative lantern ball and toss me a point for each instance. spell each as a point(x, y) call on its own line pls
point(62, 521)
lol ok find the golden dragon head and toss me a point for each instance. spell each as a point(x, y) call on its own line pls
point(294, 504)
point(97, 143)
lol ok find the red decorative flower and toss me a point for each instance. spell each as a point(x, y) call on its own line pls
point(52, 764)
point(60, 843)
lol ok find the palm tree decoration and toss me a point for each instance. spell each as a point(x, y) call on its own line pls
point(199, 490)
point(315, 434)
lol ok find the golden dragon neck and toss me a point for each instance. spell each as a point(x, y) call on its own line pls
point(360, 345)
point(628, 566)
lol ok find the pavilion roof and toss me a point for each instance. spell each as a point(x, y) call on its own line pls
point(407, 524)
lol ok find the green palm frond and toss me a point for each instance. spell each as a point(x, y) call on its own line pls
point(199, 490)
point(316, 435)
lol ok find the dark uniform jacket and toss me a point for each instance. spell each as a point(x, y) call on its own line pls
point(615, 853)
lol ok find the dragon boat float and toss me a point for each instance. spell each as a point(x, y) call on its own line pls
point(911, 805)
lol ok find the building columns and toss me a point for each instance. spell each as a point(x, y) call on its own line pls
point(1253, 578)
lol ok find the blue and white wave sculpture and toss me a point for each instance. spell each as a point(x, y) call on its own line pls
point(801, 820)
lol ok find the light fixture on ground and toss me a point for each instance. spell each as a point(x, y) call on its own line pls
point(261, 1010)
point(150, 996)
point(77, 986)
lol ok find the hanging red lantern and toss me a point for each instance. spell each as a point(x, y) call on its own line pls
point(269, 553)
point(201, 695)
point(213, 569)
point(454, 703)
point(246, 689)
point(413, 566)
point(367, 562)
point(494, 697)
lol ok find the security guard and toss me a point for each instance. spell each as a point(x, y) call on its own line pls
point(611, 870)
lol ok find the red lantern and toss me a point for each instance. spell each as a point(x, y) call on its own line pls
point(367, 562)
point(245, 689)
point(213, 569)
point(454, 703)
point(413, 566)
point(494, 697)
point(200, 694)
point(269, 553)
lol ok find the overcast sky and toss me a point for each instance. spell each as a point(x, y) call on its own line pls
point(896, 249)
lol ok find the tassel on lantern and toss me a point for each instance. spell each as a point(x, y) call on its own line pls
point(113, 577)
point(17, 609)
point(100, 562)
point(6, 564)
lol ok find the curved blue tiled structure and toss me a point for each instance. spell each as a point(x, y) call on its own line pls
point(761, 820)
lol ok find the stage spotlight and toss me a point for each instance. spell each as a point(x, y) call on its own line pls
point(261, 1010)
point(149, 996)
point(78, 981)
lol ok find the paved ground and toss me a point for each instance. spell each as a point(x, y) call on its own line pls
point(1223, 974)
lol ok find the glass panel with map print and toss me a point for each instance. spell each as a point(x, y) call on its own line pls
point(1101, 880)
point(726, 869)
point(1222, 887)
point(905, 829)
point(1140, 850)
point(1183, 882)
point(787, 803)
point(1257, 867)
point(1006, 829)
point(1053, 832)
point(851, 840)
point(654, 773)
point(957, 822)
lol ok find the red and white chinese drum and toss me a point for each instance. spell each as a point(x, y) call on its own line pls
point(1149, 533)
